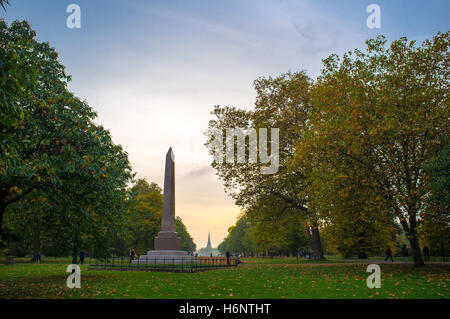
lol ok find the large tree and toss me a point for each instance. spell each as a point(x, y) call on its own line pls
point(355, 218)
point(282, 102)
point(84, 210)
point(49, 142)
point(43, 125)
point(384, 113)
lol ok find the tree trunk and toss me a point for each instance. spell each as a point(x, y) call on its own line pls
point(415, 250)
point(411, 235)
point(316, 244)
point(414, 241)
point(36, 248)
point(75, 249)
point(2, 212)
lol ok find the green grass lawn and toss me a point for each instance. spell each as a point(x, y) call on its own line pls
point(46, 260)
point(289, 260)
point(251, 280)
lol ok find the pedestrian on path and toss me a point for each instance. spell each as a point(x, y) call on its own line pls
point(81, 257)
point(132, 255)
point(405, 253)
point(389, 255)
point(426, 253)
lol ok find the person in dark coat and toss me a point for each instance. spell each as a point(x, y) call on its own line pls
point(405, 253)
point(81, 257)
point(426, 253)
point(389, 254)
point(228, 257)
point(132, 255)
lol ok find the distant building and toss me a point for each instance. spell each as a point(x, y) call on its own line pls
point(208, 250)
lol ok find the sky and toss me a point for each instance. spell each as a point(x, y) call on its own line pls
point(153, 70)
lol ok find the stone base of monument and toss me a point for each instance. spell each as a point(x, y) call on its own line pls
point(167, 257)
point(167, 240)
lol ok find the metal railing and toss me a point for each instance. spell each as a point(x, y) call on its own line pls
point(165, 264)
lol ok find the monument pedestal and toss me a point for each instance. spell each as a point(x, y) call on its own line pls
point(167, 240)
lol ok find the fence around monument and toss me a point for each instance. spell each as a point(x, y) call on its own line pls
point(118, 263)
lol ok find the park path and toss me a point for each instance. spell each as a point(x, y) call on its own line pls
point(362, 262)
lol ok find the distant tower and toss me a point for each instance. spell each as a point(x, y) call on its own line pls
point(209, 243)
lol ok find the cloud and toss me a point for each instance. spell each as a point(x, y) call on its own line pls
point(202, 171)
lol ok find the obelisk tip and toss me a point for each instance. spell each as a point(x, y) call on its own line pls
point(171, 154)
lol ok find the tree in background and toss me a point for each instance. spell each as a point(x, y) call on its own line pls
point(142, 221)
point(187, 243)
point(269, 235)
point(143, 218)
point(238, 240)
point(277, 228)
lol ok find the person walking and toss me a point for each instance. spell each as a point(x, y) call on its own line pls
point(426, 253)
point(132, 255)
point(38, 258)
point(389, 255)
point(228, 257)
point(405, 253)
point(81, 257)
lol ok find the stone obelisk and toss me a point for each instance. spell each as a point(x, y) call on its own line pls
point(167, 243)
point(167, 238)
